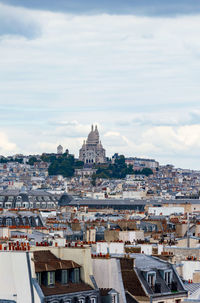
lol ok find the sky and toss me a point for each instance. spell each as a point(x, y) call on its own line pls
point(132, 67)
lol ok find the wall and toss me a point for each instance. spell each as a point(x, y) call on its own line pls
point(181, 229)
point(4, 232)
point(165, 211)
point(188, 269)
point(15, 279)
point(131, 235)
point(193, 243)
point(107, 273)
point(181, 253)
point(111, 235)
point(112, 247)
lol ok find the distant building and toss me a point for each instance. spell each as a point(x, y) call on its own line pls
point(29, 199)
point(140, 163)
point(92, 150)
point(59, 150)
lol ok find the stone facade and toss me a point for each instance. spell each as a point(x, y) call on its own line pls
point(92, 150)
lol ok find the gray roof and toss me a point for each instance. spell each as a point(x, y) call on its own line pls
point(148, 262)
point(39, 195)
point(191, 287)
point(64, 200)
point(132, 202)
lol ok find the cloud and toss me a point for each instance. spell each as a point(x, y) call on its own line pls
point(142, 7)
point(70, 129)
point(6, 146)
point(183, 140)
point(19, 22)
point(179, 117)
point(136, 76)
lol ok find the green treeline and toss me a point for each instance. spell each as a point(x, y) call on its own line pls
point(66, 164)
point(118, 170)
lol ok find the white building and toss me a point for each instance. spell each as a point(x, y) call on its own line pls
point(110, 247)
point(131, 235)
point(166, 211)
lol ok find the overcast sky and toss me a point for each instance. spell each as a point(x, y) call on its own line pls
point(132, 67)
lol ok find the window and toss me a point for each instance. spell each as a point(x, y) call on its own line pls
point(93, 300)
point(64, 277)
point(76, 275)
point(9, 222)
point(7, 205)
point(114, 298)
point(38, 277)
point(168, 277)
point(81, 300)
point(10, 198)
point(151, 277)
point(51, 278)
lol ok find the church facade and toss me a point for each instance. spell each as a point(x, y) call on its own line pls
point(92, 150)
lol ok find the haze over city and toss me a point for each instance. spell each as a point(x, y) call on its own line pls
point(132, 69)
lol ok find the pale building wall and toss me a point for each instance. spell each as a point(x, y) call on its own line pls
point(107, 273)
point(197, 230)
point(4, 232)
point(111, 235)
point(91, 235)
point(196, 276)
point(181, 253)
point(133, 194)
point(131, 235)
point(59, 242)
point(165, 211)
point(192, 242)
point(15, 279)
point(172, 300)
point(111, 248)
point(181, 229)
point(160, 248)
point(189, 268)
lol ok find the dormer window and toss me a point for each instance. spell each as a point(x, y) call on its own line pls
point(81, 300)
point(114, 298)
point(168, 276)
point(64, 276)
point(151, 278)
point(51, 278)
point(76, 275)
point(38, 277)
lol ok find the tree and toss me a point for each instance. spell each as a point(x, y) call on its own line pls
point(32, 160)
point(64, 165)
point(147, 171)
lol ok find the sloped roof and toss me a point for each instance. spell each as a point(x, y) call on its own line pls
point(46, 261)
point(64, 200)
point(59, 288)
point(130, 278)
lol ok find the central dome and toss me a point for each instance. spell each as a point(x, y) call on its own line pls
point(93, 137)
